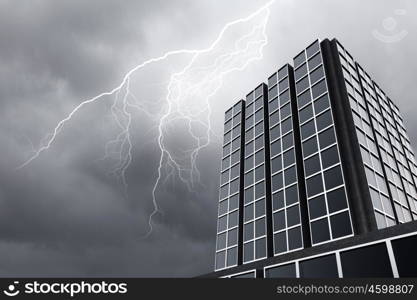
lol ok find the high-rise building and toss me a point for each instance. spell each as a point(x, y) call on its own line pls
point(318, 178)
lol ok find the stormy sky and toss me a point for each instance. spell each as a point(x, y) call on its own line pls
point(64, 214)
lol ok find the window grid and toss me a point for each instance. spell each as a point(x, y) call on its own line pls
point(228, 211)
point(286, 207)
point(254, 223)
point(328, 221)
point(387, 140)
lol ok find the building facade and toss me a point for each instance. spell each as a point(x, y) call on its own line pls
point(317, 170)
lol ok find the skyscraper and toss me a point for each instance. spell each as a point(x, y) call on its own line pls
point(317, 170)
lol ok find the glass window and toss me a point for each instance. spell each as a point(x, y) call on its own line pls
point(275, 148)
point(275, 132)
point(317, 207)
point(324, 120)
point(221, 226)
point(249, 195)
point(259, 142)
point(290, 175)
point(336, 200)
point(283, 84)
point(248, 231)
point(276, 164)
point(300, 72)
point(309, 147)
point(320, 267)
point(259, 157)
point(220, 259)
point(248, 251)
point(232, 256)
point(274, 118)
point(304, 98)
point(221, 241)
point(260, 246)
point(316, 75)
point(249, 179)
point(291, 195)
point(233, 219)
point(333, 177)
point(282, 72)
point(259, 208)
point(260, 190)
point(299, 59)
point(312, 49)
point(327, 138)
point(223, 207)
point(280, 242)
point(302, 84)
point(319, 89)
point(320, 231)
point(306, 113)
point(289, 157)
point(259, 227)
point(278, 200)
point(287, 141)
point(234, 172)
point(405, 259)
point(259, 173)
point(308, 129)
point(285, 271)
point(279, 220)
point(293, 216)
point(321, 103)
point(232, 237)
point(294, 238)
point(234, 202)
point(277, 182)
point(272, 79)
point(314, 62)
point(286, 126)
point(312, 165)
point(330, 157)
point(370, 261)
point(340, 224)
point(314, 185)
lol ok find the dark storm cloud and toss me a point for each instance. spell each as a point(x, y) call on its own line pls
point(62, 215)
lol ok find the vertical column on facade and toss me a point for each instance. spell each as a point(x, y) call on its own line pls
point(230, 190)
point(356, 182)
point(255, 190)
point(242, 187)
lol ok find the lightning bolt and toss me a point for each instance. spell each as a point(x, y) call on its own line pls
point(187, 101)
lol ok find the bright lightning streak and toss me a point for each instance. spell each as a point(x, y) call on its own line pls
point(188, 101)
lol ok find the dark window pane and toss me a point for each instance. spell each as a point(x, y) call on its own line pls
point(259, 227)
point(275, 148)
point(289, 157)
point(321, 267)
point(275, 132)
point(320, 231)
point(304, 98)
point(278, 200)
point(316, 75)
point(287, 141)
point(327, 138)
point(246, 275)
point(306, 113)
point(276, 164)
point(293, 216)
point(249, 149)
point(272, 79)
point(233, 219)
point(273, 105)
point(259, 115)
point(333, 177)
point(300, 72)
point(312, 49)
point(308, 129)
point(221, 226)
point(291, 195)
point(249, 212)
point(249, 179)
point(248, 231)
point(312, 165)
point(234, 186)
point(290, 175)
point(248, 251)
point(277, 182)
point(259, 208)
point(324, 120)
point(249, 163)
point(286, 126)
point(260, 248)
point(285, 271)
point(283, 84)
point(321, 103)
point(317, 207)
point(259, 142)
point(340, 225)
point(284, 97)
point(223, 207)
point(259, 157)
point(280, 242)
point(249, 195)
point(302, 85)
point(319, 89)
point(314, 62)
point(299, 59)
point(260, 190)
point(232, 256)
point(221, 241)
point(336, 200)
point(279, 220)
point(274, 118)
point(294, 238)
point(406, 259)
point(234, 202)
point(282, 72)
point(310, 147)
point(330, 157)
point(259, 173)
point(314, 185)
point(371, 261)
point(232, 237)
point(220, 259)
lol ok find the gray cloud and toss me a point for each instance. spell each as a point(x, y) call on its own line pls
point(62, 215)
